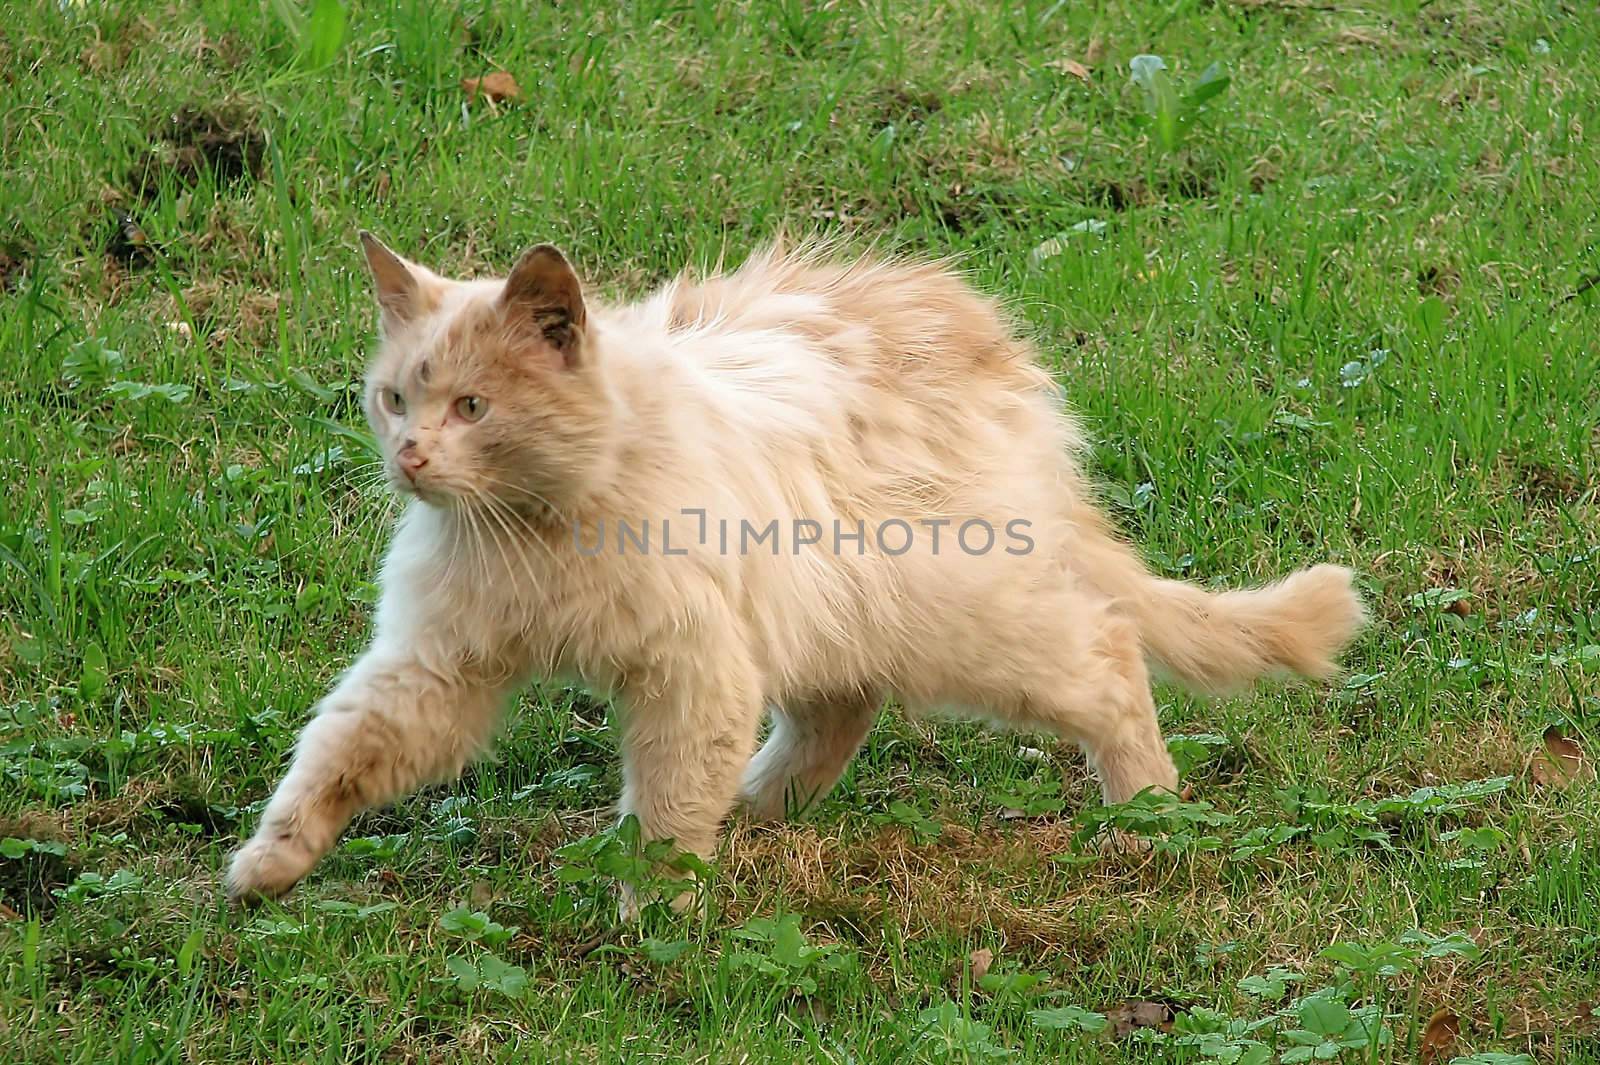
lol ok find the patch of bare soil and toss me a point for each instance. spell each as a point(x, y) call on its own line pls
point(225, 140)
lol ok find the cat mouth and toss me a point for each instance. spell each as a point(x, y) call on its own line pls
point(430, 491)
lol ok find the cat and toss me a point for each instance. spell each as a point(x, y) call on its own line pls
point(861, 484)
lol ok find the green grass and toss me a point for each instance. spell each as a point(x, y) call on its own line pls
point(185, 570)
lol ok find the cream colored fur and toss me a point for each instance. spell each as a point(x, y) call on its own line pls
point(797, 387)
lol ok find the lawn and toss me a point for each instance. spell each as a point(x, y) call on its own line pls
point(1344, 309)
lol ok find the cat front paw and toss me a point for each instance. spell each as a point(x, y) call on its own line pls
point(629, 903)
point(1114, 842)
point(266, 868)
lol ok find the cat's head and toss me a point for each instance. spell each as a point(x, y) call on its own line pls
point(485, 389)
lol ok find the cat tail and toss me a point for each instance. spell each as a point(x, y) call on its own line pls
point(1218, 641)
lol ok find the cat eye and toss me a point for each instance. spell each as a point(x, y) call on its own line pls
point(471, 408)
point(393, 401)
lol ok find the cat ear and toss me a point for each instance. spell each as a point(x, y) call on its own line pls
point(398, 283)
point(543, 292)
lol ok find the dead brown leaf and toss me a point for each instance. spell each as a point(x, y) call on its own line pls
point(10, 268)
point(1071, 66)
point(1562, 762)
point(1095, 52)
point(980, 960)
point(1140, 1013)
point(594, 943)
point(1461, 608)
point(128, 243)
point(1439, 1038)
point(497, 87)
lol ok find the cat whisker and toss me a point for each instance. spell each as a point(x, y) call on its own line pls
point(524, 490)
point(529, 532)
point(492, 507)
point(458, 532)
point(479, 534)
point(523, 523)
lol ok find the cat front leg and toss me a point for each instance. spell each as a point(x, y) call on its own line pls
point(390, 725)
point(689, 729)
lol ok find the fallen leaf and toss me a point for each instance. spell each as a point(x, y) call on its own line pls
point(128, 243)
point(497, 87)
point(1439, 1038)
point(1095, 52)
point(980, 960)
point(1461, 608)
point(1073, 67)
point(594, 943)
point(10, 266)
point(1128, 1016)
point(1562, 761)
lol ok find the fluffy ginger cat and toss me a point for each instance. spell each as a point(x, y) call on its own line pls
point(859, 483)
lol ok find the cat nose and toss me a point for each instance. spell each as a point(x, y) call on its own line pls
point(411, 460)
